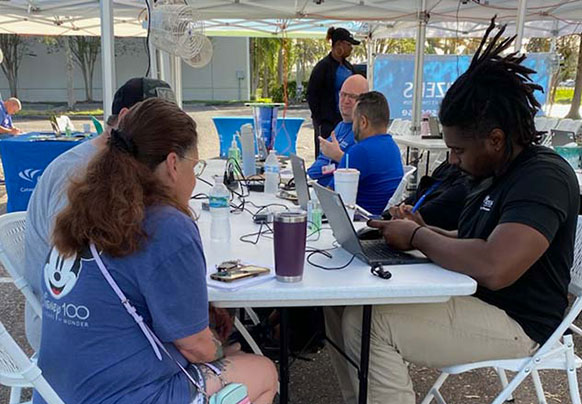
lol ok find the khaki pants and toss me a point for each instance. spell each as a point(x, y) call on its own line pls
point(462, 330)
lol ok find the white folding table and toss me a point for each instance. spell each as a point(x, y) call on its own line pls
point(417, 142)
point(354, 285)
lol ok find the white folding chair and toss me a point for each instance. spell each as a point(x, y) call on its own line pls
point(557, 353)
point(551, 123)
point(12, 227)
point(405, 129)
point(540, 123)
point(398, 195)
point(394, 126)
point(17, 371)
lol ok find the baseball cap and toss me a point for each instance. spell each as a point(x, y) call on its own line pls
point(342, 34)
point(138, 89)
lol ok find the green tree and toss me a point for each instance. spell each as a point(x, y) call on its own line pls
point(574, 112)
point(14, 48)
point(85, 50)
point(264, 52)
point(57, 45)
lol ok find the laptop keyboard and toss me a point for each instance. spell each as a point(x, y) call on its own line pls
point(378, 251)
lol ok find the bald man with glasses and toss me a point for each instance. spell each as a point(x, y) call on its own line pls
point(342, 137)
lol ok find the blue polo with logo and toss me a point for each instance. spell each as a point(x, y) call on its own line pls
point(345, 137)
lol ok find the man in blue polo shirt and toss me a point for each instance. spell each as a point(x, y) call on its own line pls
point(375, 153)
point(342, 138)
point(8, 108)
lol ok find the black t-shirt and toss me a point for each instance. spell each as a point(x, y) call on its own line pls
point(539, 190)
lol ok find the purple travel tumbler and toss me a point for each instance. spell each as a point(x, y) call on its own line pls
point(290, 232)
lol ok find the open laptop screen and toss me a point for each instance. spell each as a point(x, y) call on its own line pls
point(298, 167)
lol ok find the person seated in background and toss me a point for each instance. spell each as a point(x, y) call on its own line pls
point(375, 154)
point(8, 108)
point(130, 209)
point(439, 199)
point(342, 137)
point(49, 196)
point(515, 238)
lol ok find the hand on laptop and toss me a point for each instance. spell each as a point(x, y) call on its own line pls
point(396, 232)
point(403, 211)
point(331, 148)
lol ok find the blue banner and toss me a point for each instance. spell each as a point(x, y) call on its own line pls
point(394, 75)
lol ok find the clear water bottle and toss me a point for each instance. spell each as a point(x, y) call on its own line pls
point(271, 173)
point(219, 198)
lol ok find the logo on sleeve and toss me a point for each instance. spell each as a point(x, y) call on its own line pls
point(487, 204)
point(61, 274)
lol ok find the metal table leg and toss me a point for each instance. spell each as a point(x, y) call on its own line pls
point(284, 356)
point(427, 161)
point(407, 155)
point(365, 353)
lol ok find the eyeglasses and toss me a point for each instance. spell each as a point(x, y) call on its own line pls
point(379, 271)
point(198, 167)
point(351, 96)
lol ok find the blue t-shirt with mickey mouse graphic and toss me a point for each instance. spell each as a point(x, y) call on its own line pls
point(92, 351)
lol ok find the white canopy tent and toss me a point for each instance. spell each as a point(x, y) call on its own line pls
point(297, 18)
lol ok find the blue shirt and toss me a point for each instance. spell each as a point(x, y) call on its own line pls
point(379, 162)
point(92, 350)
point(341, 74)
point(345, 137)
point(5, 119)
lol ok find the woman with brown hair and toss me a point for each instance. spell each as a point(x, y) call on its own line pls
point(132, 205)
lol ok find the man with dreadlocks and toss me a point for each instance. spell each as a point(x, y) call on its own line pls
point(515, 236)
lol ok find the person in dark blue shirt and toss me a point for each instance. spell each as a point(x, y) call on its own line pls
point(375, 153)
point(8, 108)
point(342, 138)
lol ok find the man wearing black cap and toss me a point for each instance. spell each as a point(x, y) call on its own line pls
point(325, 83)
point(50, 193)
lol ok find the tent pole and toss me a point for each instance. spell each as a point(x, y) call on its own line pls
point(554, 66)
point(177, 78)
point(107, 56)
point(153, 61)
point(370, 45)
point(521, 8)
point(250, 71)
point(418, 68)
point(165, 71)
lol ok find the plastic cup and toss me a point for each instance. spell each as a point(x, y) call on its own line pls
point(346, 184)
point(86, 128)
point(290, 230)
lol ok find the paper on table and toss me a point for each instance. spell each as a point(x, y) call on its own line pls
point(238, 284)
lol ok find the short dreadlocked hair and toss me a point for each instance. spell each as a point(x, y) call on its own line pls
point(495, 92)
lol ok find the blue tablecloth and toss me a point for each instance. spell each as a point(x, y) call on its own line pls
point(285, 140)
point(24, 159)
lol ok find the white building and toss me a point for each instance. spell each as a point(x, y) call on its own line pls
point(42, 74)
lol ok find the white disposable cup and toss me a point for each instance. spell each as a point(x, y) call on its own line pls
point(86, 128)
point(346, 184)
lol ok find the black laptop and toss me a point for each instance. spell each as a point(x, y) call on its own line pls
point(369, 251)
